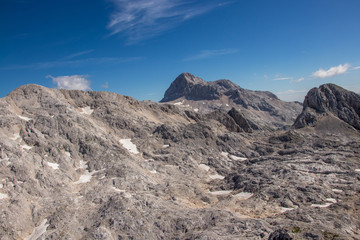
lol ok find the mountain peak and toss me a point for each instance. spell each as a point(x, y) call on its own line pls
point(189, 78)
point(185, 85)
point(330, 98)
point(193, 92)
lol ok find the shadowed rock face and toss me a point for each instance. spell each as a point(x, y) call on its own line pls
point(99, 165)
point(261, 107)
point(330, 99)
point(280, 234)
point(194, 88)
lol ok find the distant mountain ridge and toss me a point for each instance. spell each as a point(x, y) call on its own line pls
point(194, 88)
point(261, 107)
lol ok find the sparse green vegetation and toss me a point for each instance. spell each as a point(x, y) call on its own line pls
point(330, 236)
point(296, 229)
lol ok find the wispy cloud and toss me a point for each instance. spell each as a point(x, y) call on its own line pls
point(298, 80)
point(105, 85)
point(74, 82)
point(205, 54)
point(72, 63)
point(281, 78)
point(292, 95)
point(333, 71)
point(356, 68)
point(143, 19)
point(77, 54)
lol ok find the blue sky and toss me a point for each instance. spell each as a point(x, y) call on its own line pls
point(138, 47)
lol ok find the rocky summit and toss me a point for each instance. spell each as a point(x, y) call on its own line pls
point(264, 109)
point(327, 101)
point(211, 161)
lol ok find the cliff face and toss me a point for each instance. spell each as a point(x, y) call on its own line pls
point(330, 99)
point(98, 165)
point(261, 107)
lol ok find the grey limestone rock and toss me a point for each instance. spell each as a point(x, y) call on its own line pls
point(262, 108)
point(330, 99)
point(99, 165)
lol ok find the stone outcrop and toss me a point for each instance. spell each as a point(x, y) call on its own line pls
point(330, 99)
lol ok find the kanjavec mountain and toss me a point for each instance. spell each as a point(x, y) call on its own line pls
point(211, 161)
point(263, 109)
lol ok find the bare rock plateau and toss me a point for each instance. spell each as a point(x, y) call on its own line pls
point(210, 161)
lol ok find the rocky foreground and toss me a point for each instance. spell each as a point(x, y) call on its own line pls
point(98, 165)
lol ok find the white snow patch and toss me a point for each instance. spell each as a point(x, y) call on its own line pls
point(236, 158)
point(3, 196)
point(127, 195)
point(337, 190)
point(26, 147)
point(126, 143)
point(83, 165)
point(243, 195)
point(196, 110)
point(225, 154)
point(53, 165)
point(204, 167)
point(284, 209)
point(153, 171)
point(227, 105)
point(87, 110)
point(357, 170)
point(38, 231)
point(166, 146)
point(25, 118)
point(217, 176)
point(68, 154)
point(332, 200)
point(85, 178)
point(16, 136)
point(118, 190)
point(178, 103)
point(225, 192)
point(321, 205)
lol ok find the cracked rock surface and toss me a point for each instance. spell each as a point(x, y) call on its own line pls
point(98, 165)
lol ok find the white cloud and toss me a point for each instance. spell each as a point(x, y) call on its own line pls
point(142, 19)
point(356, 68)
point(105, 85)
point(205, 54)
point(281, 78)
point(333, 71)
point(298, 80)
point(74, 55)
point(74, 82)
point(292, 95)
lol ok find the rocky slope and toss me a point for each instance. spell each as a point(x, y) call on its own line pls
point(98, 165)
point(330, 100)
point(264, 109)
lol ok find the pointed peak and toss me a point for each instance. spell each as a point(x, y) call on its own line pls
point(189, 78)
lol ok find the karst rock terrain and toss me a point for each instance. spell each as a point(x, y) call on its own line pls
point(210, 161)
